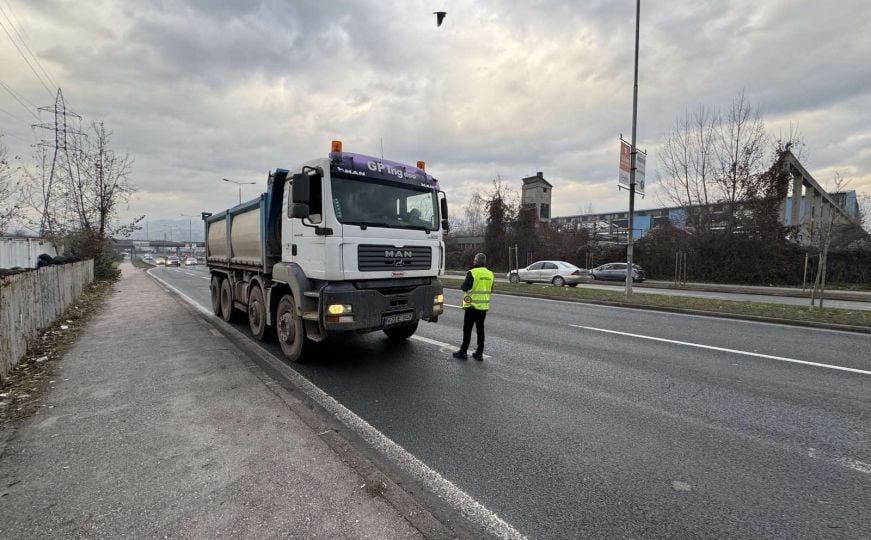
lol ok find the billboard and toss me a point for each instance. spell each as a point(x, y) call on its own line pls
point(626, 167)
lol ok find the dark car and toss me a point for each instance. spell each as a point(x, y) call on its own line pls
point(617, 272)
point(172, 260)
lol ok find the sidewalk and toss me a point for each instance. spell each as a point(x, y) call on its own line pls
point(159, 429)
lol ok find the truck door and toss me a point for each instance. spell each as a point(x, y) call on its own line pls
point(301, 241)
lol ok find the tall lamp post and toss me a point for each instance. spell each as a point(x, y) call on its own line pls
point(629, 253)
point(240, 184)
point(190, 231)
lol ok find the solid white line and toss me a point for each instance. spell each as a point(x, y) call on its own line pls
point(190, 300)
point(439, 485)
point(723, 349)
point(453, 306)
point(439, 343)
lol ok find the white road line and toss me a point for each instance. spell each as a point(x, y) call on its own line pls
point(189, 300)
point(453, 306)
point(442, 487)
point(439, 343)
point(723, 349)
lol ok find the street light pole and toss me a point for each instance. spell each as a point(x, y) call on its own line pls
point(240, 184)
point(190, 232)
point(629, 246)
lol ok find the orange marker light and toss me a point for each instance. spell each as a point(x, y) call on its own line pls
point(421, 165)
point(336, 146)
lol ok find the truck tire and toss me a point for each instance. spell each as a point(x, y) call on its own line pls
point(289, 329)
point(257, 313)
point(215, 290)
point(400, 333)
point(226, 300)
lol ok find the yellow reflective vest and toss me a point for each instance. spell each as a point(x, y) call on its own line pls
point(478, 296)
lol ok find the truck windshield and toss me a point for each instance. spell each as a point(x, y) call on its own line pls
point(376, 204)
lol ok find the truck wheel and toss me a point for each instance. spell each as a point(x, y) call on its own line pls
point(290, 329)
point(215, 289)
point(257, 313)
point(400, 333)
point(226, 300)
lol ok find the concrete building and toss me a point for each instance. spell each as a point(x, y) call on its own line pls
point(537, 192)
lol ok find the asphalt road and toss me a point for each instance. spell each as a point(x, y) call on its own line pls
point(686, 427)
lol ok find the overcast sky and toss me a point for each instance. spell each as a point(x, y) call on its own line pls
point(198, 90)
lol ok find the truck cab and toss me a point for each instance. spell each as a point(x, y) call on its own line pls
point(344, 243)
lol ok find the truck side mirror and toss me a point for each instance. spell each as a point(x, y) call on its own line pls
point(299, 210)
point(444, 207)
point(301, 191)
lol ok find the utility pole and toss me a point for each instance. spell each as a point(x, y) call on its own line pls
point(629, 246)
point(190, 232)
point(240, 184)
point(60, 128)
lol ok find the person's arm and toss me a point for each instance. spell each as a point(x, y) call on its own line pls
point(467, 283)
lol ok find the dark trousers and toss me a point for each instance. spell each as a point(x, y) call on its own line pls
point(473, 317)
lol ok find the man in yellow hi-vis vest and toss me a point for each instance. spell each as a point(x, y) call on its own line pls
point(476, 302)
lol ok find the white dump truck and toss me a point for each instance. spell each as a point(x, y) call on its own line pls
point(344, 243)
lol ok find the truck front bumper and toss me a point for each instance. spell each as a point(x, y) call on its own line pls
point(376, 308)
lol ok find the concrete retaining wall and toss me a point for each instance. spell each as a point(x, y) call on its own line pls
point(31, 301)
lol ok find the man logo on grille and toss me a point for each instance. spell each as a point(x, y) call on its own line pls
point(389, 253)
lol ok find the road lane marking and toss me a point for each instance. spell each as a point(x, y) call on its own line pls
point(189, 300)
point(453, 306)
point(723, 349)
point(439, 343)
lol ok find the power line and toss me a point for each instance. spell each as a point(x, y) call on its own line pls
point(7, 113)
point(21, 100)
point(17, 48)
point(25, 39)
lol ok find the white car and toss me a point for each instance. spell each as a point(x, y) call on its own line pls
point(557, 272)
point(160, 260)
point(190, 261)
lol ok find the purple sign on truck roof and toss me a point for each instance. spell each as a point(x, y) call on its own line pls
point(348, 164)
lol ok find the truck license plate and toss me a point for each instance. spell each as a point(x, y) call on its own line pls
point(397, 318)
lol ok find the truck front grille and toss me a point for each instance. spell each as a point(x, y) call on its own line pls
point(374, 258)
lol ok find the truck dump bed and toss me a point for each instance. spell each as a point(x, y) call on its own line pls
point(237, 237)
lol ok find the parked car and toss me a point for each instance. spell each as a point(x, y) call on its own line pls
point(160, 260)
point(190, 261)
point(617, 272)
point(172, 260)
point(557, 272)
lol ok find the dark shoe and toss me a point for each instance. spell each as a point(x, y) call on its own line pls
point(479, 356)
point(460, 355)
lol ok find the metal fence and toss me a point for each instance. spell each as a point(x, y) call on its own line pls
point(31, 301)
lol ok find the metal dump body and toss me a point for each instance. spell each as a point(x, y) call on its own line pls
point(237, 237)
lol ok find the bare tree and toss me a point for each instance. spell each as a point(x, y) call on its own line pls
point(476, 215)
point(687, 166)
point(823, 234)
point(10, 191)
point(740, 147)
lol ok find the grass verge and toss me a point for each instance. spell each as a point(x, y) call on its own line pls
point(22, 389)
point(138, 263)
point(724, 307)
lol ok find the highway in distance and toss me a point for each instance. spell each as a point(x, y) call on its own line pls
point(594, 421)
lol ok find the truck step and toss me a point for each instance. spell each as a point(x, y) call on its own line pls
point(312, 294)
point(310, 316)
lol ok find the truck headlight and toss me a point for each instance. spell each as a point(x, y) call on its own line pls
point(338, 309)
point(439, 299)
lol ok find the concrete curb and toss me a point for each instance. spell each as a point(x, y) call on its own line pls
point(736, 316)
point(847, 296)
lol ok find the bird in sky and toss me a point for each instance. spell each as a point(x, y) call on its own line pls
point(440, 16)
